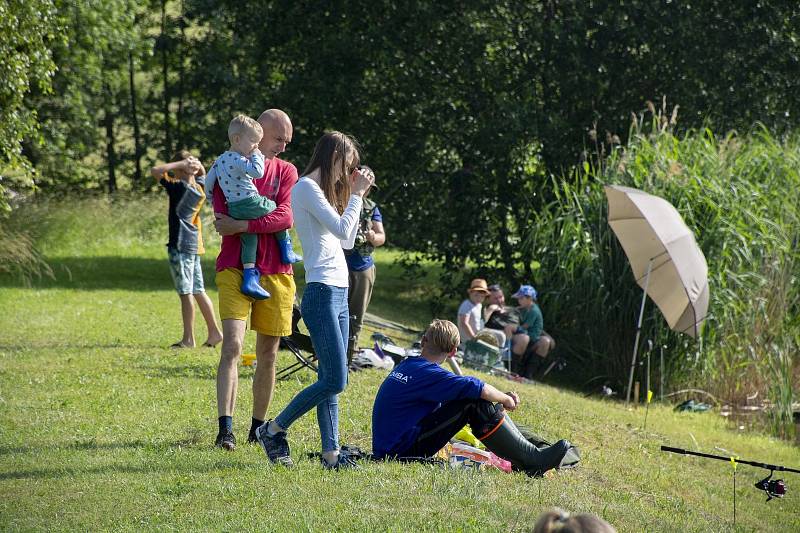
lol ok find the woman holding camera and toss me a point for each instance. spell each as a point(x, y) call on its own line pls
point(326, 203)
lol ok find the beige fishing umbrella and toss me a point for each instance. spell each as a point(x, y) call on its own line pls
point(664, 258)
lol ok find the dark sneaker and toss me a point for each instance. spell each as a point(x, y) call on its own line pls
point(344, 462)
point(226, 441)
point(275, 446)
point(251, 437)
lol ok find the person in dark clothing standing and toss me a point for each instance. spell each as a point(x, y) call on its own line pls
point(361, 268)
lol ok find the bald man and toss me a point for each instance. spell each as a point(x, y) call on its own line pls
point(270, 318)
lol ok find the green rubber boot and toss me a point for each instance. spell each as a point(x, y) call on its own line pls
point(508, 442)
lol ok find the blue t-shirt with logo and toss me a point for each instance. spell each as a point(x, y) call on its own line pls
point(413, 390)
point(357, 262)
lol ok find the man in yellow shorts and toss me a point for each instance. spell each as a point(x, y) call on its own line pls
point(270, 318)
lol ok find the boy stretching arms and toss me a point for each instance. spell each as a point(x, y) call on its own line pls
point(234, 172)
point(421, 406)
point(183, 179)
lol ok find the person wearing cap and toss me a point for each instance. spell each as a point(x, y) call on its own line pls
point(470, 316)
point(530, 337)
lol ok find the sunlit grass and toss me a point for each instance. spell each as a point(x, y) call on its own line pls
point(102, 427)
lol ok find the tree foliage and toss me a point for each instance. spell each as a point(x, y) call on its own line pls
point(443, 81)
point(466, 110)
point(90, 92)
point(27, 33)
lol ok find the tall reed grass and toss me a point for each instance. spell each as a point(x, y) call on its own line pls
point(739, 194)
point(19, 256)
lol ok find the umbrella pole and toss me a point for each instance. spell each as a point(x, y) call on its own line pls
point(638, 332)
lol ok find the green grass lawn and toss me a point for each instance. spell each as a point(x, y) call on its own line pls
point(102, 427)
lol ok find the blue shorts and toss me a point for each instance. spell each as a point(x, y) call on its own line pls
point(186, 272)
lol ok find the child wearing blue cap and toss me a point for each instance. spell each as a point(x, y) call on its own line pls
point(529, 340)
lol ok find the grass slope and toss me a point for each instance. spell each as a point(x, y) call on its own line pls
point(102, 427)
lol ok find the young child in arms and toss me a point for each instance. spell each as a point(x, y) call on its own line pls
point(234, 172)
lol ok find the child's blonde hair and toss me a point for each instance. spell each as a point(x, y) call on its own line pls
point(241, 124)
point(442, 335)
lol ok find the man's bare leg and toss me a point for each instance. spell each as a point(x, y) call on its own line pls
point(228, 376)
point(544, 345)
point(207, 310)
point(519, 343)
point(264, 378)
point(228, 373)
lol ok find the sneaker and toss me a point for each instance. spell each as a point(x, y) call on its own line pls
point(275, 446)
point(344, 462)
point(251, 437)
point(226, 441)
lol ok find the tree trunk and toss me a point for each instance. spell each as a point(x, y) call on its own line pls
point(137, 141)
point(506, 250)
point(180, 55)
point(165, 74)
point(111, 155)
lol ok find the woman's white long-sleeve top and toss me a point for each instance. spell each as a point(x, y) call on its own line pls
point(323, 232)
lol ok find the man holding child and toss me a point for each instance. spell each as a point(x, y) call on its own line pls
point(271, 318)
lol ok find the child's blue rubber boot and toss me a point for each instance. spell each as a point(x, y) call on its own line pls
point(287, 253)
point(250, 285)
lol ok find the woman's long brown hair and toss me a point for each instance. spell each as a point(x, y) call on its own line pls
point(330, 156)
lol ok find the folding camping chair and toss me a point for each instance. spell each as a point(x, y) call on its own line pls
point(297, 343)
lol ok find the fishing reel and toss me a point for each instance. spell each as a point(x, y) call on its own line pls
point(775, 488)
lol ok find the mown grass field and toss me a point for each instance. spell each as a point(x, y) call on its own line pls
point(104, 428)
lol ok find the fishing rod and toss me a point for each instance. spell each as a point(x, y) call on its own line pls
point(774, 488)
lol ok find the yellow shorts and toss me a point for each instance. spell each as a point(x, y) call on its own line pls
point(272, 316)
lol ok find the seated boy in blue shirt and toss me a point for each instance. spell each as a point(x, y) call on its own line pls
point(421, 406)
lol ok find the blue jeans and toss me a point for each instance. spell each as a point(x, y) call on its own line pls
point(325, 312)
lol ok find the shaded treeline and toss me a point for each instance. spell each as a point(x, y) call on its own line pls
point(468, 102)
